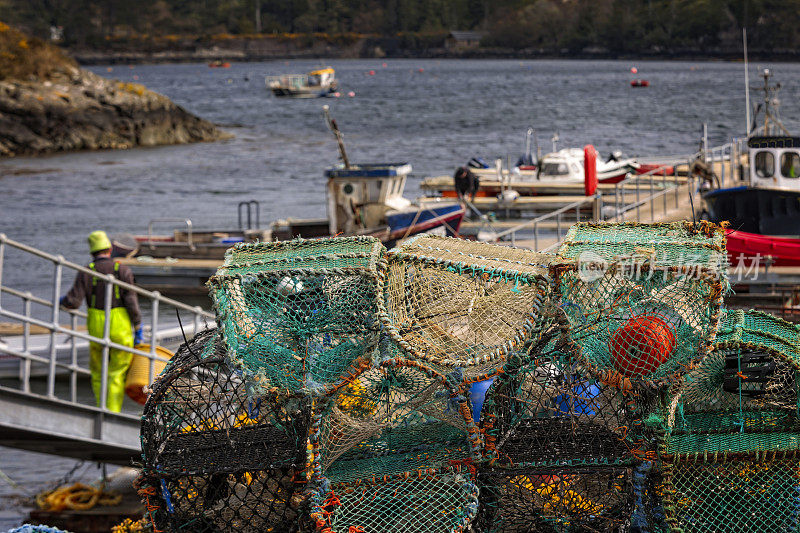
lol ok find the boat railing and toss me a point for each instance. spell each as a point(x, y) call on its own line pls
point(186, 221)
point(57, 350)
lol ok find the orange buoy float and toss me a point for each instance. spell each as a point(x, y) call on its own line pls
point(640, 346)
point(589, 170)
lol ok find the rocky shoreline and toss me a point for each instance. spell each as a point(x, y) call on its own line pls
point(74, 109)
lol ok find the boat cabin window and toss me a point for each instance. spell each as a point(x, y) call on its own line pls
point(555, 169)
point(765, 164)
point(790, 165)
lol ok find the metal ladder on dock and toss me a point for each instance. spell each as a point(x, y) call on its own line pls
point(46, 403)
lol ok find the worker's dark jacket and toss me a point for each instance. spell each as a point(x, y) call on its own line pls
point(83, 289)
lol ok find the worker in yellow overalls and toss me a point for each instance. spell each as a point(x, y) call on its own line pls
point(124, 314)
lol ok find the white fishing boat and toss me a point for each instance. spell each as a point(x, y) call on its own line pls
point(315, 84)
point(566, 165)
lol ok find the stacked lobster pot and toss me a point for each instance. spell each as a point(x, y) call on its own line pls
point(448, 386)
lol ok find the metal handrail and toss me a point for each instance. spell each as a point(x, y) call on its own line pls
point(26, 356)
point(547, 216)
point(186, 221)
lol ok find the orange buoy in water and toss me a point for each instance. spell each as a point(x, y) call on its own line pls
point(371, 72)
point(634, 70)
point(640, 346)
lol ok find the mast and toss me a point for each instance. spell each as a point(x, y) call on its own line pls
point(339, 140)
point(746, 84)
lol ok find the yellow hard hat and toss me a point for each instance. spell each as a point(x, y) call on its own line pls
point(98, 240)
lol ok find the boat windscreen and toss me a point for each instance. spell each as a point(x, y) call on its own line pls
point(555, 169)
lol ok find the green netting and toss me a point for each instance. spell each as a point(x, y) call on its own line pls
point(386, 447)
point(673, 243)
point(462, 303)
point(761, 330)
point(643, 302)
point(395, 418)
point(746, 496)
point(442, 501)
point(300, 315)
point(743, 397)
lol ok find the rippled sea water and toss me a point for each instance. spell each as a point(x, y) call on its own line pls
point(436, 114)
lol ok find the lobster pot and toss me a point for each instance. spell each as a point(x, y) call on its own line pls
point(456, 303)
point(643, 302)
point(298, 315)
point(523, 500)
point(397, 417)
point(739, 495)
point(216, 458)
point(444, 501)
point(743, 397)
point(550, 410)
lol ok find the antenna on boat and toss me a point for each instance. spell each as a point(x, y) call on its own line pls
point(746, 83)
point(335, 129)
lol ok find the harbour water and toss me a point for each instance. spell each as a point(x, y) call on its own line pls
point(434, 114)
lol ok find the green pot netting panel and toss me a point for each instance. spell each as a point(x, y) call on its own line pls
point(441, 501)
point(395, 418)
point(216, 458)
point(551, 412)
point(392, 452)
point(735, 496)
point(743, 397)
point(643, 301)
point(462, 303)
point(297, 315)
point(542, 500)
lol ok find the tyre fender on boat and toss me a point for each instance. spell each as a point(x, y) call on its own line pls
point(590, 169)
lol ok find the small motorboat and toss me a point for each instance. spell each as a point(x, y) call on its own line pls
point(219, 64)
point(640, 83)
point(566, 165)
point(315, 84)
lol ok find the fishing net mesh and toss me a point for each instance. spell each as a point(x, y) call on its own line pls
point(731, 453)
point(297, 315)
point(464, 304)
point(396, 433)
point(394, 418)
point(216, 458)
point(643, 301)
point(443, 501)
point(555, 499)
point(743, 397)
point(741, 496)
point(550, 411)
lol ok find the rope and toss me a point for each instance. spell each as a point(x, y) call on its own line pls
point(76, 497)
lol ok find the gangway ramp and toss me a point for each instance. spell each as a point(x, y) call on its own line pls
point(46, 404)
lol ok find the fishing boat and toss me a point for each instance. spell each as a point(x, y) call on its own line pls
point(362, 199)
point(566, 165)
point(315, 84)
point(368, 200)
point(763, 214)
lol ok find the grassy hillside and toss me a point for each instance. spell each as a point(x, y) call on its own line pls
point(23, 57)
